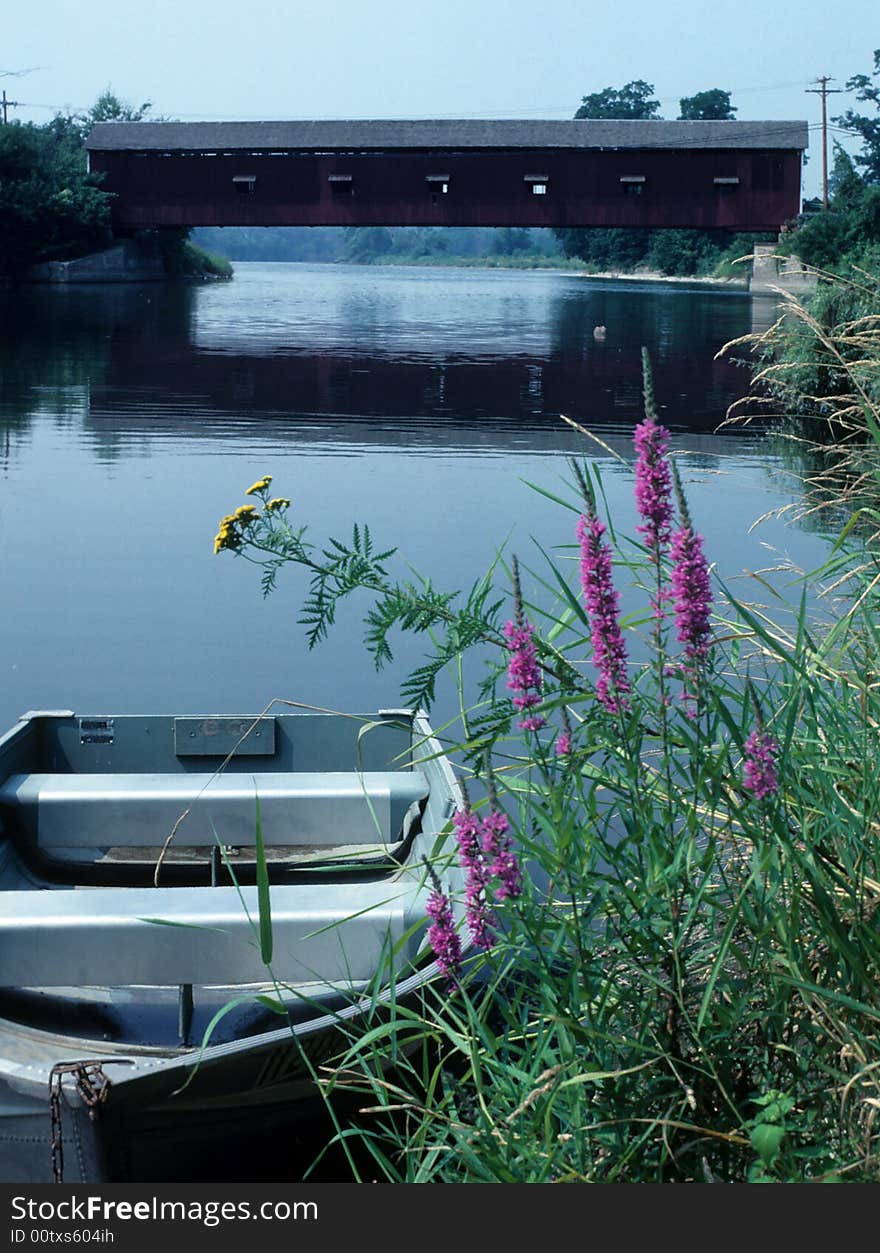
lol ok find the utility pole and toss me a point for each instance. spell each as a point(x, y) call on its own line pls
point(7, 104)
point(824, 91)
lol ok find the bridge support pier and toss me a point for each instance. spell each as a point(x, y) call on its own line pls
point(772, 272)
point(127, 261)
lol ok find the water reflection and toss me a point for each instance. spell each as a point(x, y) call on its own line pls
point(422, 401)
point(447, 349)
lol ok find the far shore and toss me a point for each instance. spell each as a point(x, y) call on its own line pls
point(563, 268)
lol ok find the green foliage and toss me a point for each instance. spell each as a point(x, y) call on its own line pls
point(817, 378)
point(707, 106)
point(862, 124)
point(633, 100)
point(109, 108)
point(51, 208)
point(607, 248)
point(510, 240)
point(273, 243)
point(198, 263)
point(687, 251)
point(834, 238)
point(401, 245)
point(673, 252)
point(367, 243)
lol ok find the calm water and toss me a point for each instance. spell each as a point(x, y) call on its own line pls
point(417, 400)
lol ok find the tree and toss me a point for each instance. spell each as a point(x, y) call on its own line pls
point(851, 225)
point(509, 240)
point(707, 106)
point(364, 244)
point(867, 128)
point(50, 207)
point(109, 108)
point(631, 101)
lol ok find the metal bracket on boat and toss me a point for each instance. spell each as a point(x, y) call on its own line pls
point(96, 730)
point(93, 1087)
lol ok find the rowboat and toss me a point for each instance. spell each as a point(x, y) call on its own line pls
point(192, 909)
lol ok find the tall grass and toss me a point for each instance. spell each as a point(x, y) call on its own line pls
point(688, 987)
point(817, 380)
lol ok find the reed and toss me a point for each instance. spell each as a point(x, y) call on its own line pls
point(816, 380)
point(685, 985)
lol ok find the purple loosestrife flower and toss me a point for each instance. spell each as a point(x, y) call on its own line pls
point(692, 599)
point(653, 485)
point(524, 673)
point(443, 937)
point(563, 744)
point(499, 856)
point(470, 854)
point(601, 601)
point(759, 764)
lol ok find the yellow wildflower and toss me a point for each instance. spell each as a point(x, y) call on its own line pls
point(278, 502)
point(226, 537)
point(245, 514)
point(260, 485)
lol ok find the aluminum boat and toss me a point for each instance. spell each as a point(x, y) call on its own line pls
point(148, 994)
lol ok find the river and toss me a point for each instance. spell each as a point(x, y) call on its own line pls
point(418, 400)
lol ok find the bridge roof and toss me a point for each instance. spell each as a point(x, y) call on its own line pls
point(324, 136)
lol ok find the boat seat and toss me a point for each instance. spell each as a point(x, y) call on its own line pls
point(66, 812)
point(201, 935)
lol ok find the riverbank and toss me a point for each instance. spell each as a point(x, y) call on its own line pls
point(655, 276)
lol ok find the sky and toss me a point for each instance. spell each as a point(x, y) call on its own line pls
point(218, 59)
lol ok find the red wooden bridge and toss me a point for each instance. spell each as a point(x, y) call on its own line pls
point(733, 175)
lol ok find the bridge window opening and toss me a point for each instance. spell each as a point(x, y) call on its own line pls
point(724, 186)
point(633, 184)
point(341, 184)
point(244, 184)
point(538, 184)
point(438, 185)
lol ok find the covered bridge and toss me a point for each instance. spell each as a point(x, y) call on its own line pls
point(735, 175)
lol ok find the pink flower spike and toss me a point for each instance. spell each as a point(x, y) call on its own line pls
point(563, 744)
point(470, 854)
point(502, 862)
point(759, 764)
point(653, 487)
point(524, 673)
point(692, 593)
point(692, 600)
point(443, 937)
point(601, 602)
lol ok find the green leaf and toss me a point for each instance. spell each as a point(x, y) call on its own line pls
point(766, 1139)
point(269, 1002)
point(263, 892)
